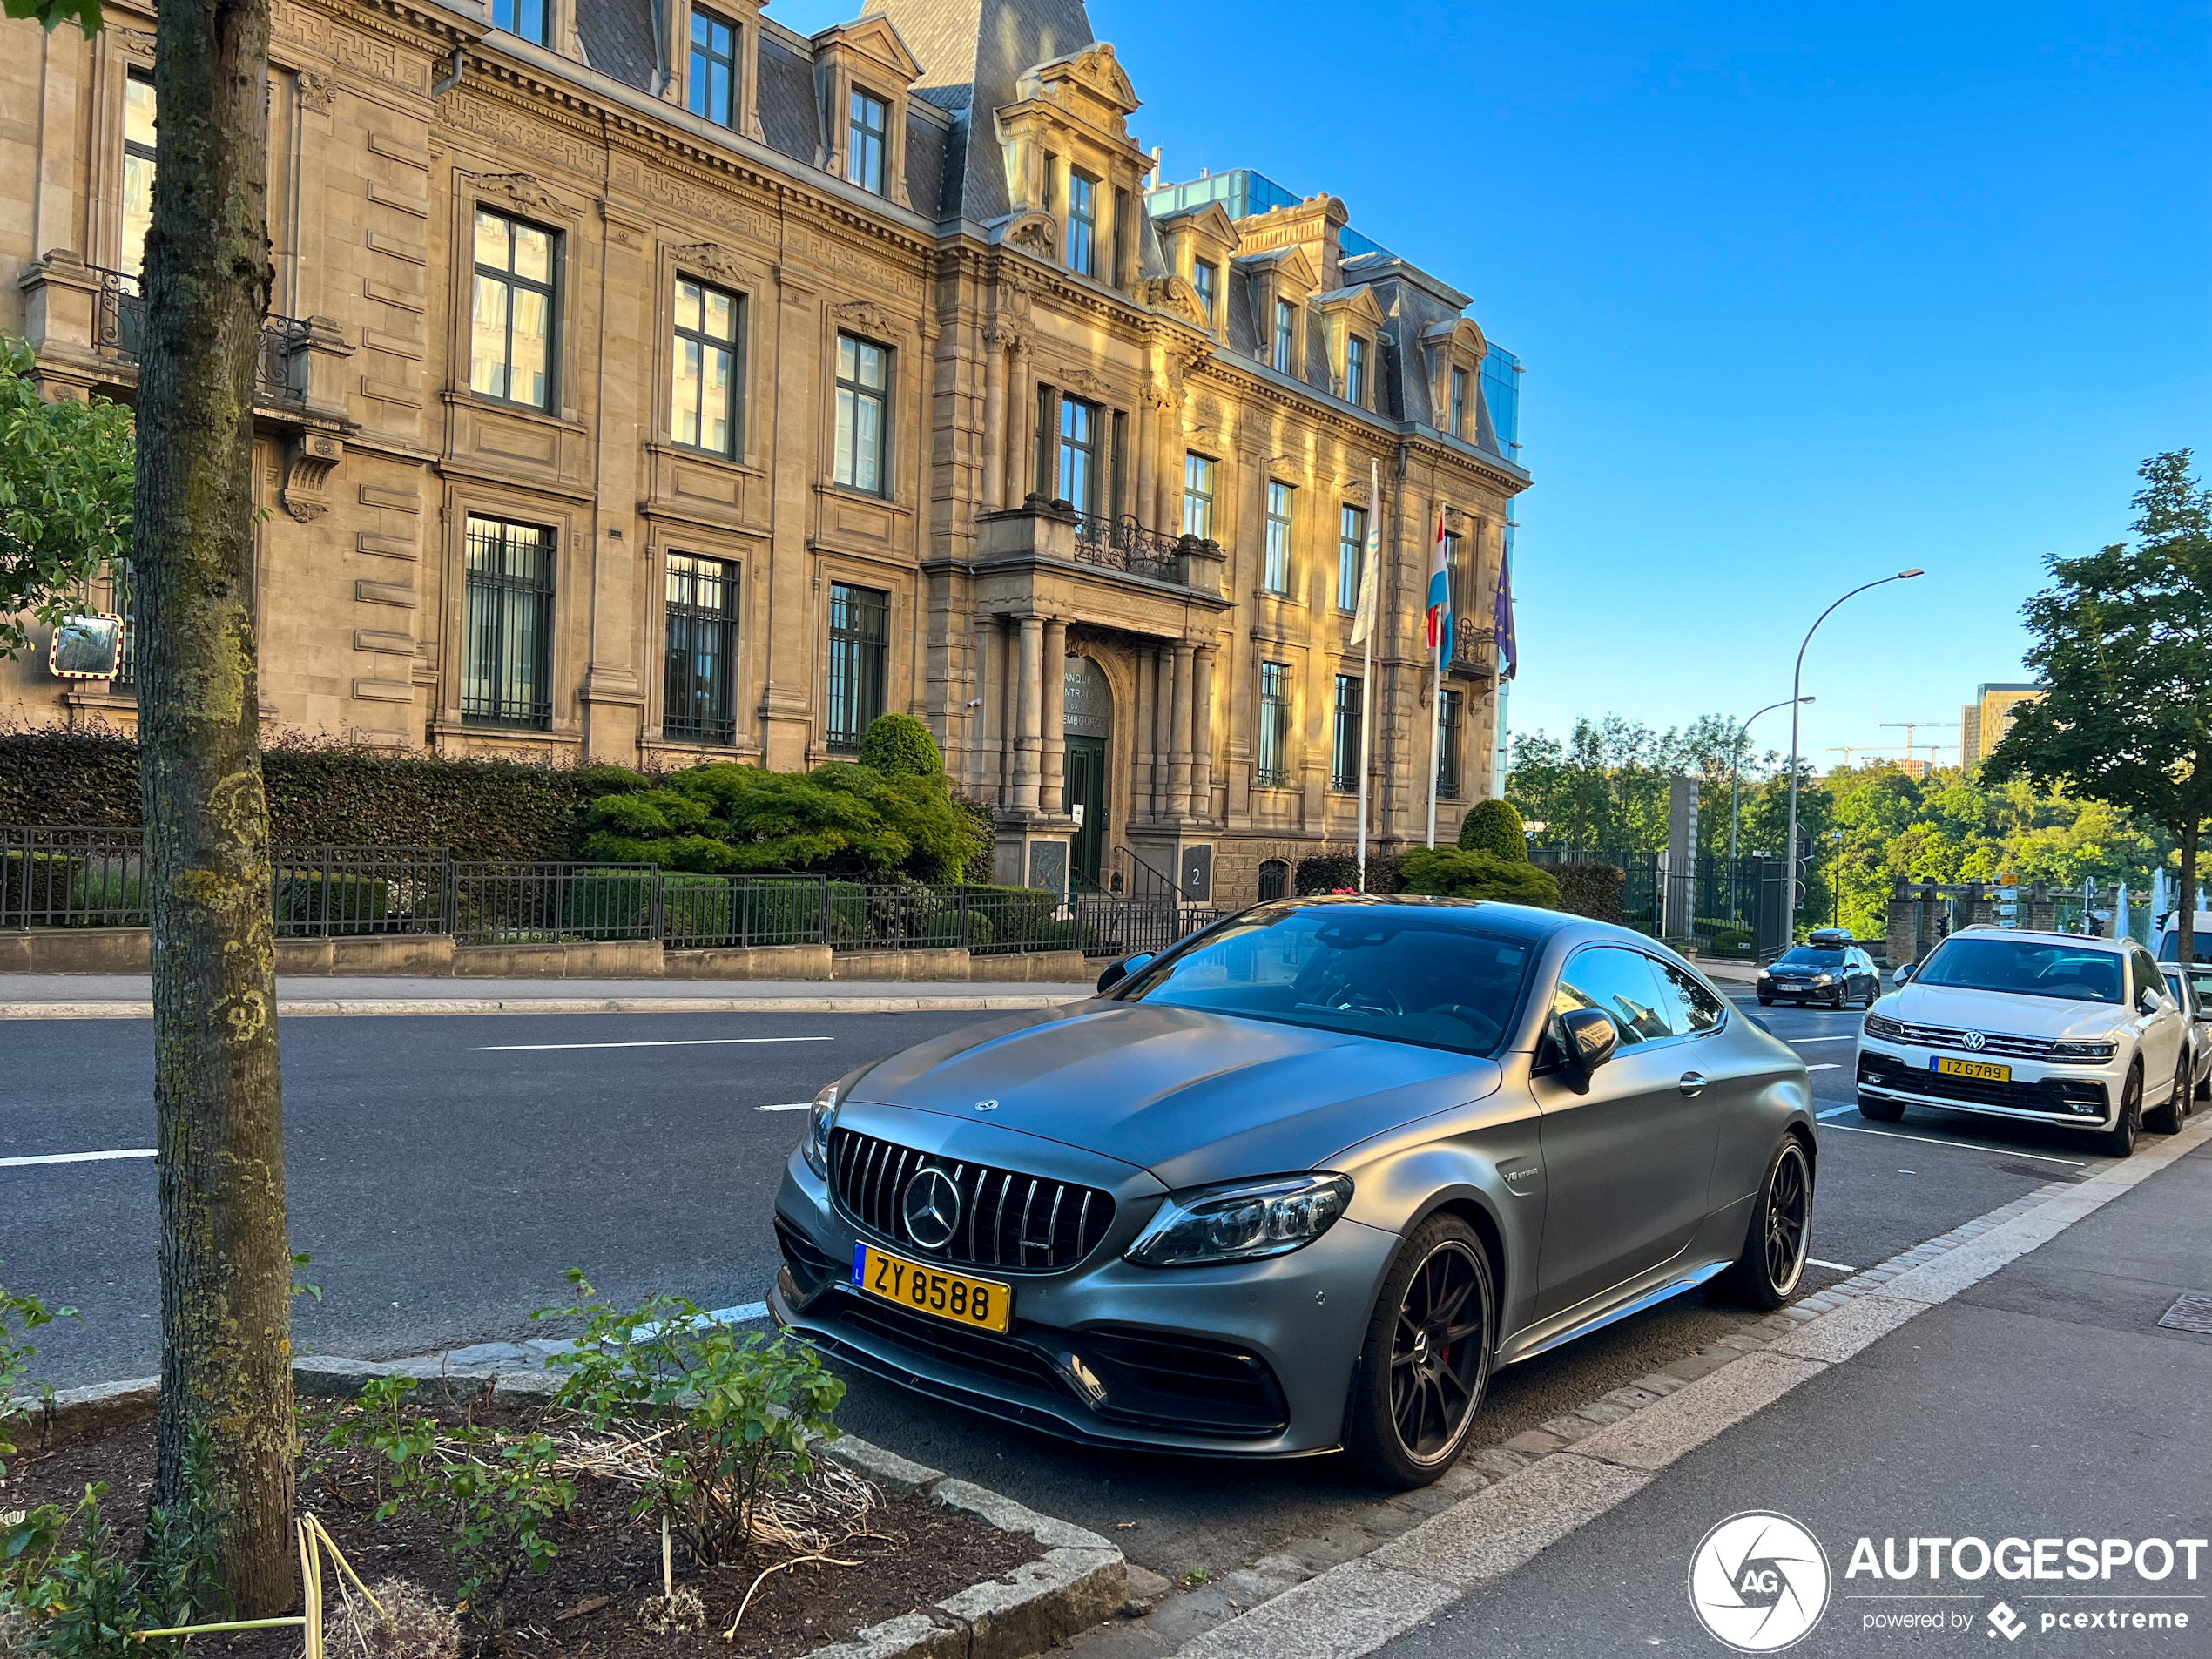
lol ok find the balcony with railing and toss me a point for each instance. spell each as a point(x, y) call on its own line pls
point(1056, 531)
point(118, 331)
point(1475, 653)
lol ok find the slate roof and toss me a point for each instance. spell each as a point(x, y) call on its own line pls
point(789, 123)
point(618, 37)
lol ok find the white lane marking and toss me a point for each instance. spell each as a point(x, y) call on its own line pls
point(655, 1043)
point(78, 1158)
point(788, 1106)
point(1794, 1041)
point(1833, 1111)
point(1815, 1261)
point(1930, 1140)
point(1828, 1066)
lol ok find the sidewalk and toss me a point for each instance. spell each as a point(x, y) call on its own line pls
point(82, 997)
point(2043, 1401)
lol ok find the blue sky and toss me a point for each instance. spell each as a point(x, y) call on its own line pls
point(1806, 294)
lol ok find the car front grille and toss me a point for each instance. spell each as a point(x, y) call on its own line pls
point(1007, 1220)
point(1991, 1042)
point(2072, 1097)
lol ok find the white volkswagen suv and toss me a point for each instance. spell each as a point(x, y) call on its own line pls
point(2051, 1028)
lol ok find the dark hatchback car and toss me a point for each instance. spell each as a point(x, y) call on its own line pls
point(1827, 970)
point(1300, 1183)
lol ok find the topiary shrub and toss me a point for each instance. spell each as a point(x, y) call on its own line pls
point(899, 745)
point(1492, 826)
point(1451, 873)
point(1592, 890)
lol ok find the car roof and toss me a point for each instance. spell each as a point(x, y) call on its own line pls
point(1487, 915)
point(2080, 941)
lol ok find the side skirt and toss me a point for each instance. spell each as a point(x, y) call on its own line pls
point(1666, 1291)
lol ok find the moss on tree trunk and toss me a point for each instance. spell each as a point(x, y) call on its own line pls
point(226, 1268)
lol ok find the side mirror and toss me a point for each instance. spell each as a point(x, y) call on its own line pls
point(1119, 971)
point(1586, 1040)
point(1903, 973)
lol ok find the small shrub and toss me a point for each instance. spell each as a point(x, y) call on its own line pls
point(899, 745)
point(1492, 826)
point(1339, 872)
point(1449, 872)
point(19, 1316)
point(744, 1408)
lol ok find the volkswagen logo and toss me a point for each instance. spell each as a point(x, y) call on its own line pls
point(931, 1208)
point(1974, 1039)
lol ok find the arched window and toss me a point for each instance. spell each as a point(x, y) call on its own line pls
point(1274, 881)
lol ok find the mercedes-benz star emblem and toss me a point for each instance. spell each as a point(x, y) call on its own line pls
point(931, 1208)
point(1974, 1039)
point(987, 1105)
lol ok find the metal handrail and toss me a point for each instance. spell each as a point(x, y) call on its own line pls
point(1124, 544)
point(119, 323)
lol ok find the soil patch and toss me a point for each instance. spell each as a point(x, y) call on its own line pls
point(906, 1554)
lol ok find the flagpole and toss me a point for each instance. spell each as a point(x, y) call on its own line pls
point(1436, 696)
point(1368, 663)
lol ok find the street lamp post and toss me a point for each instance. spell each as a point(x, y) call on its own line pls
point(1797, 686)
point(1735, 765)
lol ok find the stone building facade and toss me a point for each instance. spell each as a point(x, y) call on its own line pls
point(648, 383)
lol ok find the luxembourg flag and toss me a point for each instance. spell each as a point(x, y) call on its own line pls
point(1439, 597)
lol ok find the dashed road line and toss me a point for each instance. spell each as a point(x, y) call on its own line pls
point(78, 1158)
point(1968, 1146)
point(652, 1042)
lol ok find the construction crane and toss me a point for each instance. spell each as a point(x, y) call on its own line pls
point(1848, 750)
point(1911, 726)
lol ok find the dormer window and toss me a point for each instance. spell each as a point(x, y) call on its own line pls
point(1285, 335)
point(523, 18)
point(864, 151)
point(1082, 223)
point(1458, 403)
point(1355, 371)
point(1203, 279)
point(711, 88)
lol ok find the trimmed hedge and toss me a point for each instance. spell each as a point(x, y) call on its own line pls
point(1492, 826)
point(1450, 872)
point(1592, 890)
point(324, 794)
point(1339, 872)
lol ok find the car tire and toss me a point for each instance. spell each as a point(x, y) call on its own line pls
point(1765, 1001)
point(1415, 1397)
point(2203, 1091)
point(1775, 1244)
point(1880, 1110)
point(2118, 1141)
point(2167, 1119)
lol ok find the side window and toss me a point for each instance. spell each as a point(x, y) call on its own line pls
point(2148, 976)
point(1696, 1010)
point(1623, 983)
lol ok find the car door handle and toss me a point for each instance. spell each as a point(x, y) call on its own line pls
point(1692, 1084)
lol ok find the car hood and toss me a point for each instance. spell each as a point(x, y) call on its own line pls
point(1192, 1097)
point(2027, 1016)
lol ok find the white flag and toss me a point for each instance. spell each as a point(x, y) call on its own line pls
point(1371, 565)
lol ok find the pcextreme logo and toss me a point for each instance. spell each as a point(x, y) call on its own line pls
point(1758, 1581)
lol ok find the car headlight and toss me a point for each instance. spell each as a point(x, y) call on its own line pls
point(1242, 1221)
point(1824, 978)
point(821, 1118)
point(2084, 1050)
point(1765, 975)
point(1877, 1026)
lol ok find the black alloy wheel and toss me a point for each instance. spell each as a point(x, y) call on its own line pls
point(2167, 1119)
point(2118, 1141)
point(1773, 1262)
point(1426, 1359)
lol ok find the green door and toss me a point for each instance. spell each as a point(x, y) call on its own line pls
point(1086, 797)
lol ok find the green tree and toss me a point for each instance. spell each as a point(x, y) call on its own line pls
point(65, 488)
point(2123, 639)
point(219, 1119)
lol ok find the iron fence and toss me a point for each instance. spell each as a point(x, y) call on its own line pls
point(1723, 908)
point(1123, 544)
point(96, 878)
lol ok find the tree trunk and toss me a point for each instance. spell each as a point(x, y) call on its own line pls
point(226, 1265)
point(2185, 946)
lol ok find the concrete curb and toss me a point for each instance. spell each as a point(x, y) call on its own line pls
point(1081, 1579)
point(1517, 1500)
point(312, 1009)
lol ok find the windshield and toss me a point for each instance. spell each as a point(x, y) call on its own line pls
point(2024, 967)
point(2200, 976)
point(1807, 956)
point(1348, 967)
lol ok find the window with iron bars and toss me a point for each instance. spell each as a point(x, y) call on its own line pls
point(859, 635)
point(1274, 768)
point(1447, 750)
point(506, 624)
point(1344, 750)
point(702, 649)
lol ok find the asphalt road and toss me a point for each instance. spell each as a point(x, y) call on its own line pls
point(444, 1172)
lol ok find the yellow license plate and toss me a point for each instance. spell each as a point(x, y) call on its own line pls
point(982, 1303)
point(1980, 1068)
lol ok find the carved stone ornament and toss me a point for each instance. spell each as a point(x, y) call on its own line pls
point(1356, 494)
point(711, 259)
point(1086, 382)
point(1172, 295)
point(134, 40)
point(309, 460)
point(868, 318)
point(318, 92)
point(526, 191)
point(1002, 337)
point(1035, 232)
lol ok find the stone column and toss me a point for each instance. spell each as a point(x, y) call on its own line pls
point(1006, 636)
point(1179, 731)
point(1167, 510)
point(993, 444)
point(1140, 748)
point(1017, 433)
point(1146, 421)
point(1029, 719)
point(2042, 914)
point(1052, 716)
point(1202, 735)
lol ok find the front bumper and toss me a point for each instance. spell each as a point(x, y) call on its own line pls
point(2071, 1096)
point(1247, 1359)
point(1801, 990)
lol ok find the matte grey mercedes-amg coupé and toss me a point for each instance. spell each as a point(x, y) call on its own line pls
point(1299, 1182)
